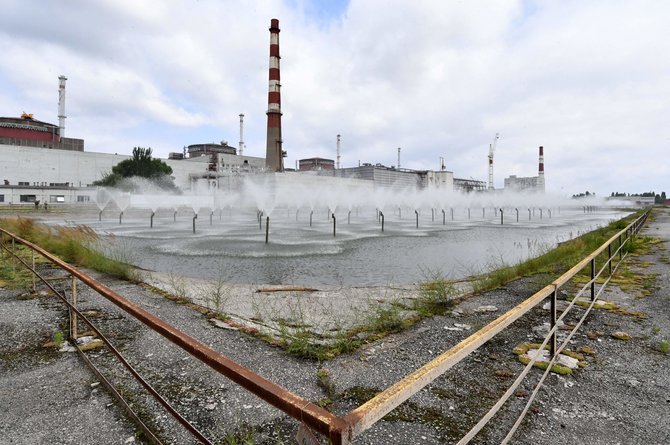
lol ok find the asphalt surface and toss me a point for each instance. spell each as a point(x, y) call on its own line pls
point(621, 396)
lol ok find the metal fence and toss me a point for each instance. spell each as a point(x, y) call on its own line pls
point(339, 430)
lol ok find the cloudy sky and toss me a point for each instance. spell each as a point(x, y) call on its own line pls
point(588, 80)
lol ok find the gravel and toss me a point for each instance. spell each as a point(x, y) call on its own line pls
point(620, 397)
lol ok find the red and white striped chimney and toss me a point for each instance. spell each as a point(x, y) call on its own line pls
point(274, 156)
point(540, 173)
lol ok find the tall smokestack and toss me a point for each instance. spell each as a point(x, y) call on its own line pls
point(61, 105)
point(274, 156)
point(540, 173)
point(338, 151)
point(398, 158)
point(241, 134)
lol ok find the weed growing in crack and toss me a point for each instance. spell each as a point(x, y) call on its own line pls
point(217, 293)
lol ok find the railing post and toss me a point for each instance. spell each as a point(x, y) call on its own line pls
point(73, 315)
point(593, 279)
point(34, 277)
point(609, 257)
point(552, 310)
point(620, 248)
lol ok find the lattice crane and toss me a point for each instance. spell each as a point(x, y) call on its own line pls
point(492, 149)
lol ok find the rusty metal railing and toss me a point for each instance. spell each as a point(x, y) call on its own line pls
point(343, 430)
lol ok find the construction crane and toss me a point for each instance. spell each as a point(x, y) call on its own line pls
point(492, 149)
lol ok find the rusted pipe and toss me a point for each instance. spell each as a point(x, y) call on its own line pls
point(314, 416)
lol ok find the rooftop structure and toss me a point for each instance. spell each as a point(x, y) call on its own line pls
point(29, 132)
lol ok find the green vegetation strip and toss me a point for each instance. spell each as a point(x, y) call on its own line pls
point(560, 259)
point(71, 244)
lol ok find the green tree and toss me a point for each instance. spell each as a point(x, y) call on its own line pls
point(141, 165)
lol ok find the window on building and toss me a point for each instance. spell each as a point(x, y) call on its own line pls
point(27, 198)
point(24, 183)
point(56, 198)
point(2, 198)
point(82, 198)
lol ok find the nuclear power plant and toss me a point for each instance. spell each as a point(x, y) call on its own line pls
point(40, 164)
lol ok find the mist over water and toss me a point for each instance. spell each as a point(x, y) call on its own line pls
point(458, 234)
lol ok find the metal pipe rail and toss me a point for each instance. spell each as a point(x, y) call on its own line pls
point(342, 430)
point(311, 414)
point(374, 409)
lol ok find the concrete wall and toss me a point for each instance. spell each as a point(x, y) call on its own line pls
point(41, 167)
point(53, 196)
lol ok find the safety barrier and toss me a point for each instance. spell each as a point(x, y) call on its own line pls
point(339, 430)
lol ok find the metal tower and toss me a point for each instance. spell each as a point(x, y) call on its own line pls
point(61, 105)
